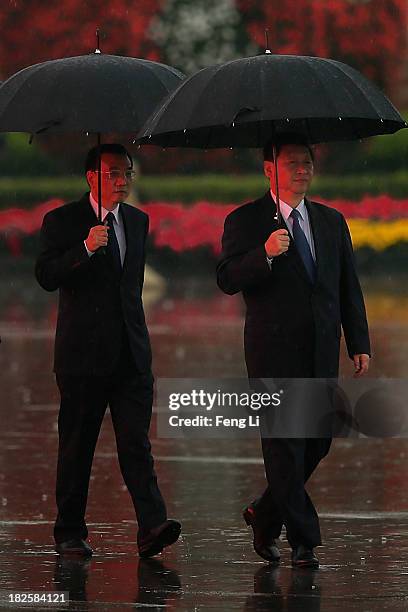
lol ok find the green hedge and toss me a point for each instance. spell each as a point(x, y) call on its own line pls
point(234, 188)
point(27, 190)
point(388, 152)
point(215, 188)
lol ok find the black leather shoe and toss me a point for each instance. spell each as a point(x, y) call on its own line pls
point(75, 547)
point(304, 557)
point(264, 547)
point(153, 542)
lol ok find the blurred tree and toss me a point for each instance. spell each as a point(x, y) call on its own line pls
point(196, 34)
point(371, 35)
point(18, 157)
point(38, 30)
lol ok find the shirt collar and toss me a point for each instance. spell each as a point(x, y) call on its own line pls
point(285, 209)
point(94, 205)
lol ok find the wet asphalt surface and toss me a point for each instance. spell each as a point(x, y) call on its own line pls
point(360, 490)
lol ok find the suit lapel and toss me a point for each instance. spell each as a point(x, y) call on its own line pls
point(88, 217)
point(321, 238)
point(126, 224)
point(132, 231)
point(292, 255)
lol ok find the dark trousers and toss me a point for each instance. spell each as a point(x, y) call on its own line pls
point(289, 463)
point(84, 400)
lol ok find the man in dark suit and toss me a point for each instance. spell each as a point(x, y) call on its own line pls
point(299, 284)
point(102, 350)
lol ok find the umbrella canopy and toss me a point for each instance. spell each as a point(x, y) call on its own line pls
point(88, 93)
point(249, 101)
point(93, 93)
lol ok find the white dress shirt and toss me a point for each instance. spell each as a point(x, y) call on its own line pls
point(304, 221)
point(118, 227)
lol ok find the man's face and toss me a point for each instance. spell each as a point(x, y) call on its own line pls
point(115, 185)
point(295, 171)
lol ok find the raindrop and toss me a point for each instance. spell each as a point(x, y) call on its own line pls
point(168, 305)
point(14, 367)
point(26, 395)
point(180, 352)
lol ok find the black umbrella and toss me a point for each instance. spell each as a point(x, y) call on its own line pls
point(250, 101)
point(92, 93)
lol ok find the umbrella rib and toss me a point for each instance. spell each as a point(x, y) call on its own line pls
point(311, 67)
point(216, 69)
point(157, 114)
point(358, 86)
point(12, 78)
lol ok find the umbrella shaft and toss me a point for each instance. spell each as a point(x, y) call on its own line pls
point(275, 161)
point(99, 179)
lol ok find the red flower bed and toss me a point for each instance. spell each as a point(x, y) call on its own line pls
point(379, 207)
point(183, 228)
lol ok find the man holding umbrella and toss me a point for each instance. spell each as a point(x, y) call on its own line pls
point(298, 278)
point(102, 349)
point(299, 283)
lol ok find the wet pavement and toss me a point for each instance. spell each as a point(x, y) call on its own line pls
point(360, 490)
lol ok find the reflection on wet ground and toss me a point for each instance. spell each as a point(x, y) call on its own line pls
point(360, 489)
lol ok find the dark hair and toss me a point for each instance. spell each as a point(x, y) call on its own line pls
point(91, 161)
point(290, 139)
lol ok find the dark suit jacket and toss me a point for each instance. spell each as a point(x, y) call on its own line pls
point(96, 304)
point(293, 328)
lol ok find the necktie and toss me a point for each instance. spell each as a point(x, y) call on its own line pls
point(113, 245)
point(302, 246)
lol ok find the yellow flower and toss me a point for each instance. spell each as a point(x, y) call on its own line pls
point(378, 235)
